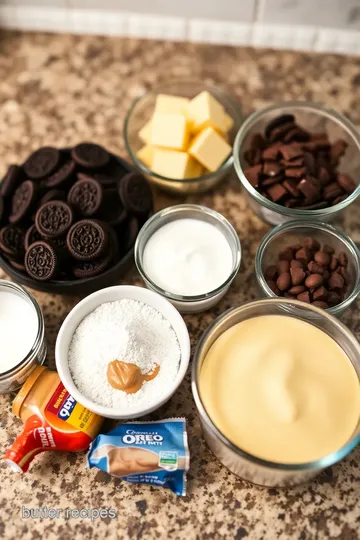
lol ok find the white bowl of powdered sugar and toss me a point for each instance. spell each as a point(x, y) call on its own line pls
point(122, 351)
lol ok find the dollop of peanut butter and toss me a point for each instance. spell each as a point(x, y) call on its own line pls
point(128, 377)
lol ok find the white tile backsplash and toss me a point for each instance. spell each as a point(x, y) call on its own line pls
point(321, 25)
point(323, 13)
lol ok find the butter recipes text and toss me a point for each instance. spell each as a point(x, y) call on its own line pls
point(44, 512)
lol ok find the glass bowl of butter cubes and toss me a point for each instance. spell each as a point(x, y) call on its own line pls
point(180, 135)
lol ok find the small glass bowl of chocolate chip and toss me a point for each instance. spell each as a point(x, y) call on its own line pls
point(298, 160)
point(309, 261)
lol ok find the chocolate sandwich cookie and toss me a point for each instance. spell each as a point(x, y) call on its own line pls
point(22, 201)
point(135, 194)
point(106, 181)
point(89, 155)
point(115, 169)
point(42, 163)
point(17, 265)
point(11, 180)
point(132, 230)
point(12, 241)
point(31, 236)
point(87, 240)
point(112, 211)
point(62, 175)
point(52, 195)
point(41, 261)
point(2, 208)
point(86, 196)
point(53, 219)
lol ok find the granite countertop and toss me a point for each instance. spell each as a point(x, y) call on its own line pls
point(60, 89)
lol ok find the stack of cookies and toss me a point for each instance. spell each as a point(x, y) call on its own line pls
point(70, 213)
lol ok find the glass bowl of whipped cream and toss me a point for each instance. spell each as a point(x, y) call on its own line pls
point(189, 254)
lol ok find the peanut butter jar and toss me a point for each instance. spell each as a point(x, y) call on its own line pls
point(53, 420)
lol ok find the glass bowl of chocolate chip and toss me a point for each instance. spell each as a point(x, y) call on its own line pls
point(298, 160)
point(309, 261)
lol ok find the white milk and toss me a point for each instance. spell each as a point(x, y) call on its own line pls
point(188, 257)
point(18, 329)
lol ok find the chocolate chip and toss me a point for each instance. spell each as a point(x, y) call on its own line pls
point(322, 257)
point(270, 273)
point(297, 276)
point(324, 176)
point(320, 304)
point(316, 268)
point(309, 188)
point(303, 254)
point(297, 289)
point(338, 200)
point(315, 206)
point(311, 243)
point(334, 263)
point(346, 182)
point(278, 121)
point(295, 172)
point(333, 298)
point(271, 168)
point(342, 258)
point(276, 192)
point(331, 191)
point(304, 297)
point(296, 264)
point(280, 132)
point(271, 180)
point(272, 152)
point(286, 254)
point(282, 266)
point(272, 285)
point(336, 281)
point(313, 281)
point(290, 152)
point(328, 249)
point(321, 293)
point(344, 273)
point(253, 174)
point(338, 149)
point(284, 281)
point(257, 141)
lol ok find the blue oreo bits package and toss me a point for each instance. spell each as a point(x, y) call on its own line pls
point(154, 453)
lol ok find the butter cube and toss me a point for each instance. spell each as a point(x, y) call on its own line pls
point(229, 122)
point(146, 154)
point(210, 149)
point(170, 131)
point(145, 132)
point(196, 169)
point(205, 111)
point(173, 164)
point(171, 104)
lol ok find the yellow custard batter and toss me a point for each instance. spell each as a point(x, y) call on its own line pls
point(281, 389)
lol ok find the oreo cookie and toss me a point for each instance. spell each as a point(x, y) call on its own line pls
point(86, 196)
point(11, 180)
point(12, 239)
point(132, 231)
point(135, 194)
point(2, 208)
point(106, 181)
point(62, 175)
point(87, 240)
point(113, 211)
point(86, 269)
point(42, 163)
point(52, 195)
point(17, 265)
point(22, 201)
point(32, 235)
point(91, 156)
point(41, 261)
point(53, 219)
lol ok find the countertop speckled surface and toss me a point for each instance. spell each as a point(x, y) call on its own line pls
point(59, 89)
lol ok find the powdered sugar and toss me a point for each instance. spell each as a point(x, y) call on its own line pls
point(125, 330)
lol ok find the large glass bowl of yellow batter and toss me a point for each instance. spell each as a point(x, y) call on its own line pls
point(242, 463)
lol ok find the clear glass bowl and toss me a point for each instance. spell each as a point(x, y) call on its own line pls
point(240, 462)
point(313, 117)
point(12, 379)
point(290, 233)
point(189, 304)
point(141, 111)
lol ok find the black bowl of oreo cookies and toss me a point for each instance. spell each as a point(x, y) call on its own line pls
point(69, 219)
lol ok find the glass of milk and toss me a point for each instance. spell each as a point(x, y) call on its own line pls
point(22, 336)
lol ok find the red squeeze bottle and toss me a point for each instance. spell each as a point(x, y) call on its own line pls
point(53, 420)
